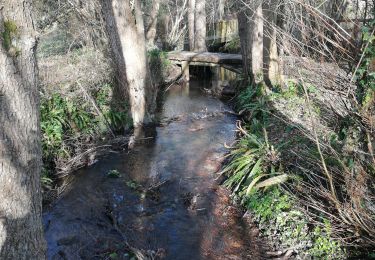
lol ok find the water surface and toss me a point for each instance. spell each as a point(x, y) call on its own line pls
point(166, 203)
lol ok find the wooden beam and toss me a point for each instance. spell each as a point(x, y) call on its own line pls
point(205, 57)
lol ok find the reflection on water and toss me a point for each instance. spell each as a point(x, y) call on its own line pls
point(166, 199)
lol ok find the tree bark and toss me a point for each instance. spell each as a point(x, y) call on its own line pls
point(200, 26)
point(191, 24)
point(163, 30)
point(127, 35)
point(151, 28)
point(271, 69)
point(21, 232)
point(244, 33)
point(250, 22)
point(120, 91)
point(221, 9)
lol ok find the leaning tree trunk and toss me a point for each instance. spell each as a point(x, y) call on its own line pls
point(21, 232)
point(126, 33)
point(191, 24)
point(200, 26)
point(250, 21)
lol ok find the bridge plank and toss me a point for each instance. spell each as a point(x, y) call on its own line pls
point(205, 57)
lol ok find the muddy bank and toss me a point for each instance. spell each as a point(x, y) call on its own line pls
point(160, 199)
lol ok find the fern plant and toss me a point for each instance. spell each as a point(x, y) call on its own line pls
point(251, 100)
point(253, 164)
point(253, 161)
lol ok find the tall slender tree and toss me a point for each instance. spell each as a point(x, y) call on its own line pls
point(200, 26)
point(21, 233)
point(221, 9)
point(197, 25)
point(250, 21)
point(271, 69)
point(125, 28)
point(191, 24)
point(151, 27)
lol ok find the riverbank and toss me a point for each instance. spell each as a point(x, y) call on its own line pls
point(81, 118)
point(295, 141)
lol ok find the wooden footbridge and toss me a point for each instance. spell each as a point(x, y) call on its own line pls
point(187, 58)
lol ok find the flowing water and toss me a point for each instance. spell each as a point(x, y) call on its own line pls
point(165, 202)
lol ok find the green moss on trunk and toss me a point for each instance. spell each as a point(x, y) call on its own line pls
point(9, 34)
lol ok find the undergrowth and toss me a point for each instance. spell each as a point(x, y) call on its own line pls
point(159, 63)
point(68, 123)
point(232, 46)
point(256, 175)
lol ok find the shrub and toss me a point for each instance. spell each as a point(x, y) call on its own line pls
point(69, 124)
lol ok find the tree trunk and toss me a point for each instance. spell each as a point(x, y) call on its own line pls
point(151, 28)
point(200, 26)
point(142, 72)
point(221, 9)
point(127, 36)
point(250, 22)
point(271, 69)
point(21, 232)
point(120, 92)
point(163, 31)
point(191, 24)
point(244, 33)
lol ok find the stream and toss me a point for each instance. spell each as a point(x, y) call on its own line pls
point(159, 200)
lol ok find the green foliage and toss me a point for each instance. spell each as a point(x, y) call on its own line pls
point(61, 119)
point(254, 172)
point(253, 161)
point(157, 58)
point(324, 246)
point(364, 76)
point(250, 162)
point(116, 113)
point(113, 174)
point(246, 162)
point(133, 185)
point(46, 179)
point(65, 120)
point(269, 204)
point(293, 90)
point(159, 63)
point(251, 99)
point(54, 122)
point(61, 116)
point(113, 256)
point(274, 210)
point(8, 35)
point(233, 46)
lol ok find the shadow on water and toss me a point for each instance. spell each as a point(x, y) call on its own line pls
point(165, 200)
